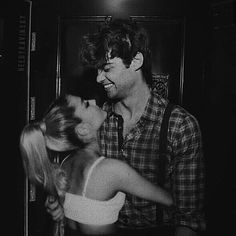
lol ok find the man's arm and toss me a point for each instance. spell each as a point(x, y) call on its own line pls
point(188, 177)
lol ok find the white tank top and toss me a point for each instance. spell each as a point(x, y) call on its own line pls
point(89, 211)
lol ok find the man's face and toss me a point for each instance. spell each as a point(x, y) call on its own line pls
point(116, 78)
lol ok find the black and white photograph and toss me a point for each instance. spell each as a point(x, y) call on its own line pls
point(124, 117)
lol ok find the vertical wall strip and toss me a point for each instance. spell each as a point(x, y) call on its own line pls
point(182, 65)
point(58, 62)
point(26, 213)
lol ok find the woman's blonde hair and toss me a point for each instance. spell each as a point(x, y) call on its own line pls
point(56, 131)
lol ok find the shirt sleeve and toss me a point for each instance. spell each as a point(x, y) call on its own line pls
point(188, 175)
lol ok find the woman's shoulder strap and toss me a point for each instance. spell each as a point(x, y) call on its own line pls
point(90, 172)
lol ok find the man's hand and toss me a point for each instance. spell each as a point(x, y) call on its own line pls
point(54, 208)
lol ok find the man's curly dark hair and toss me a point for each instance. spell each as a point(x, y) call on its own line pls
point(124, 38)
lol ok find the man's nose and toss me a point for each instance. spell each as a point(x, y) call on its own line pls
point(100, 76)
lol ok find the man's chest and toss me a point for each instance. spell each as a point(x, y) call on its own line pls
point(137, 139)
point(129, 126)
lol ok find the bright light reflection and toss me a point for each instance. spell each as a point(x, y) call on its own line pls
point(115, 3)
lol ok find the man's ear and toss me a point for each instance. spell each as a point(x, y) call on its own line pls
point(137, 61)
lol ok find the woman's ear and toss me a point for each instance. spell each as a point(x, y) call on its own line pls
point(137, 61)
point(82, 130)
point(85, 132)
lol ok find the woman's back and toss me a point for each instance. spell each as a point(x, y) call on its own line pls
point(90, 176)
point(91, 200)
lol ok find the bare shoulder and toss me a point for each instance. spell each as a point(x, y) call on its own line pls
point(113, 165)
point(105, 179)
point(116, 170)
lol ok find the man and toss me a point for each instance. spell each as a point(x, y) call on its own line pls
point(120, 52)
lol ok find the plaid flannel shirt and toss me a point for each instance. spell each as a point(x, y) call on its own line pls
point(140, 149)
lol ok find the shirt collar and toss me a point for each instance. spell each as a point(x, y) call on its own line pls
point(152, 110)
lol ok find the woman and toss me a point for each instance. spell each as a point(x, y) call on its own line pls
point(90, 187)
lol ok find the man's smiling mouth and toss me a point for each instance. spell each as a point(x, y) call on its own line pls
point(107, 86)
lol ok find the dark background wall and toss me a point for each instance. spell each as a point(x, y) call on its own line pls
point(209, 80)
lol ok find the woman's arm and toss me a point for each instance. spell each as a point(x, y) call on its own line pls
point(129, 180)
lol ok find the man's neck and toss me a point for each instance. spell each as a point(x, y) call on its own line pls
point(134, 104)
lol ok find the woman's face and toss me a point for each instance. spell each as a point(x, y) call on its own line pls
point(89, 113)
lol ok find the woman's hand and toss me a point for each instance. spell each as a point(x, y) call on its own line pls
point(54, 208)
